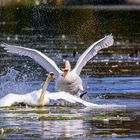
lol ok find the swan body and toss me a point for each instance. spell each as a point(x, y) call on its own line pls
point(69, 81)
point(33, 98)
point(29, 99)
point(72, 83)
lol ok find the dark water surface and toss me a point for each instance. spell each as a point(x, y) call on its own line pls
point(111, 77)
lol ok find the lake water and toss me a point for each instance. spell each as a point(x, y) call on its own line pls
point(111, 77)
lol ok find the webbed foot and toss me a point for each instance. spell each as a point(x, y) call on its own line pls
point(83, 94)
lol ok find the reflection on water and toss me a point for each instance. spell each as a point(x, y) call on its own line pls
point(90, 122)
point(112, 77)
point(68, 128)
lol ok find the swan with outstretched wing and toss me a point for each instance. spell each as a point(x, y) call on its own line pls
point(67, 80)
point(42, 97)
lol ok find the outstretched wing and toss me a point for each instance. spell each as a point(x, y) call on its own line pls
point(10, 99)
point(68, 97)
point(92, 51)
point(47, 63)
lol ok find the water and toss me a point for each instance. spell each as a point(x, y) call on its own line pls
point(112, 77)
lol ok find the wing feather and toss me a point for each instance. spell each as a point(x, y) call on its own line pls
point(68, 97)
point(92, 51)
point(47, 63)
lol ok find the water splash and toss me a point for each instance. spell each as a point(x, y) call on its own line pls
point(10, 84)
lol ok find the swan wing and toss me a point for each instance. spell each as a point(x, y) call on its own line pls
point(68, 97)
point(92, 51)
point(47, 63)
point(10, 99)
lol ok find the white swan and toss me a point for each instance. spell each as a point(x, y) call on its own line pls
point(42, 97)
point(69, 80)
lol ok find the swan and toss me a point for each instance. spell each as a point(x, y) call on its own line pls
point(67, 80)
point(42, 97)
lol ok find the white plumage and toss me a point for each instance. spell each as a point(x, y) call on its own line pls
point(92, 51)
point(41, 97)
point(33, 97)
point(72, 82)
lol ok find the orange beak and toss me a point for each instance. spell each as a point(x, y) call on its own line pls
point(65, 73)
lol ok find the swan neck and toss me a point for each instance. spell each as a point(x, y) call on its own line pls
point(46, 84)
point(68, 65)
point(42, 95)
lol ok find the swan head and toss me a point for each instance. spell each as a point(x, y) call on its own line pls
point(65, 72)
point(67, 68)
point(51, 76)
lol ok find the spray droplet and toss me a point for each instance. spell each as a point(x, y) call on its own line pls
point(37, 2)
point(16, 37)
point(63, 36)
point(8, 38)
